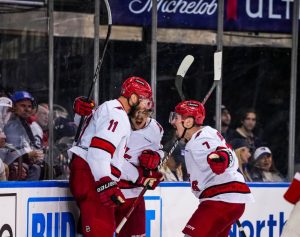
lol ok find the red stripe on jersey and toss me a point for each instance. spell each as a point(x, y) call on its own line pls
point(103, 144)
point(231, 187)
point(115, 171)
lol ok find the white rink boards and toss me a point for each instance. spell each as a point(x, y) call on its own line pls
point(47, 209)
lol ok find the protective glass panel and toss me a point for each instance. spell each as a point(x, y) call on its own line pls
point(24, 78)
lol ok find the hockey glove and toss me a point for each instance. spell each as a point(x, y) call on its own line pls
point(149, 159)
point(292, 194)
point(83, 106)
point(219, 160)
point(109, 193)
point(149, 178)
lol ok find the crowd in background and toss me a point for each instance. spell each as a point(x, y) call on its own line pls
point(24, 143)
point(24, 138)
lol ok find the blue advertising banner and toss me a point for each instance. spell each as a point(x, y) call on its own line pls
point(240, 15)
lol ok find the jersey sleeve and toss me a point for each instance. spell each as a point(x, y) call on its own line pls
point(131, 173)
point(110, 131)
point(157, 134)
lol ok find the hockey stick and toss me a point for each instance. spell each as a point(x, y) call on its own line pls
point(241, 229)
point(184, 66)
point(217, 74)
point(99, 65)
point(217, 77)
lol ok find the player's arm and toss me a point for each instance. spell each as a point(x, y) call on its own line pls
point(107, 138)
point(151, 158)
point(109, 135)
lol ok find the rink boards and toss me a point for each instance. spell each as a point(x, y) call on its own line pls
point(47, 209)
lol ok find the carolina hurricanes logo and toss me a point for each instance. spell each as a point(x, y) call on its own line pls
point(231, 10)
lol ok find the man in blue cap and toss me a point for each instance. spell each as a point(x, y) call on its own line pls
point(25, 136)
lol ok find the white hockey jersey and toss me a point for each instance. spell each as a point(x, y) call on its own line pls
point(229, 186)
point(103, 140)
point(148, 137)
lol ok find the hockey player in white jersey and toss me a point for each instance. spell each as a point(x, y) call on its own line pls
point(292, 195)
point(212, 167)
point(98, 157)
point(143, 156)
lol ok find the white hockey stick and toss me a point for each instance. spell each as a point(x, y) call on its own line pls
point(184, 66)
point(217, 74)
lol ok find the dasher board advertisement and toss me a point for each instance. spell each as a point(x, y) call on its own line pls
point(47, 208)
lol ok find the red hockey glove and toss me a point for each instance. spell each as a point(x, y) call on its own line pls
point(83, 106)
point(149, 159)
point(219, 160)
point(149, 178)
point(292, 194)
point(109, 193)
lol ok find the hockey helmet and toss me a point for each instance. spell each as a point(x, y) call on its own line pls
point(138, 86)
point(22, 95)
point(191, 108)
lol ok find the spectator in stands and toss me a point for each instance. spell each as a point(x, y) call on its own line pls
point(226, 131)
point(172, 168)
point(3, 166)
point(25, 136)
point(42, 118)
point(5, 111)
point(64, 127)
point(246, 130)
point(2, 171)
point(243, 154)
point(263, 168)
point(64, 132)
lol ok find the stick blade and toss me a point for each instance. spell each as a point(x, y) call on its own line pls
point(185, 65)
point(183, 68)
point(217, 65)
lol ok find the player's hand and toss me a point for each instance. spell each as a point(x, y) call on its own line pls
point(149, 178)
point(109, 193)
point(149, 159)
point(83, 106)
point(219, 160)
